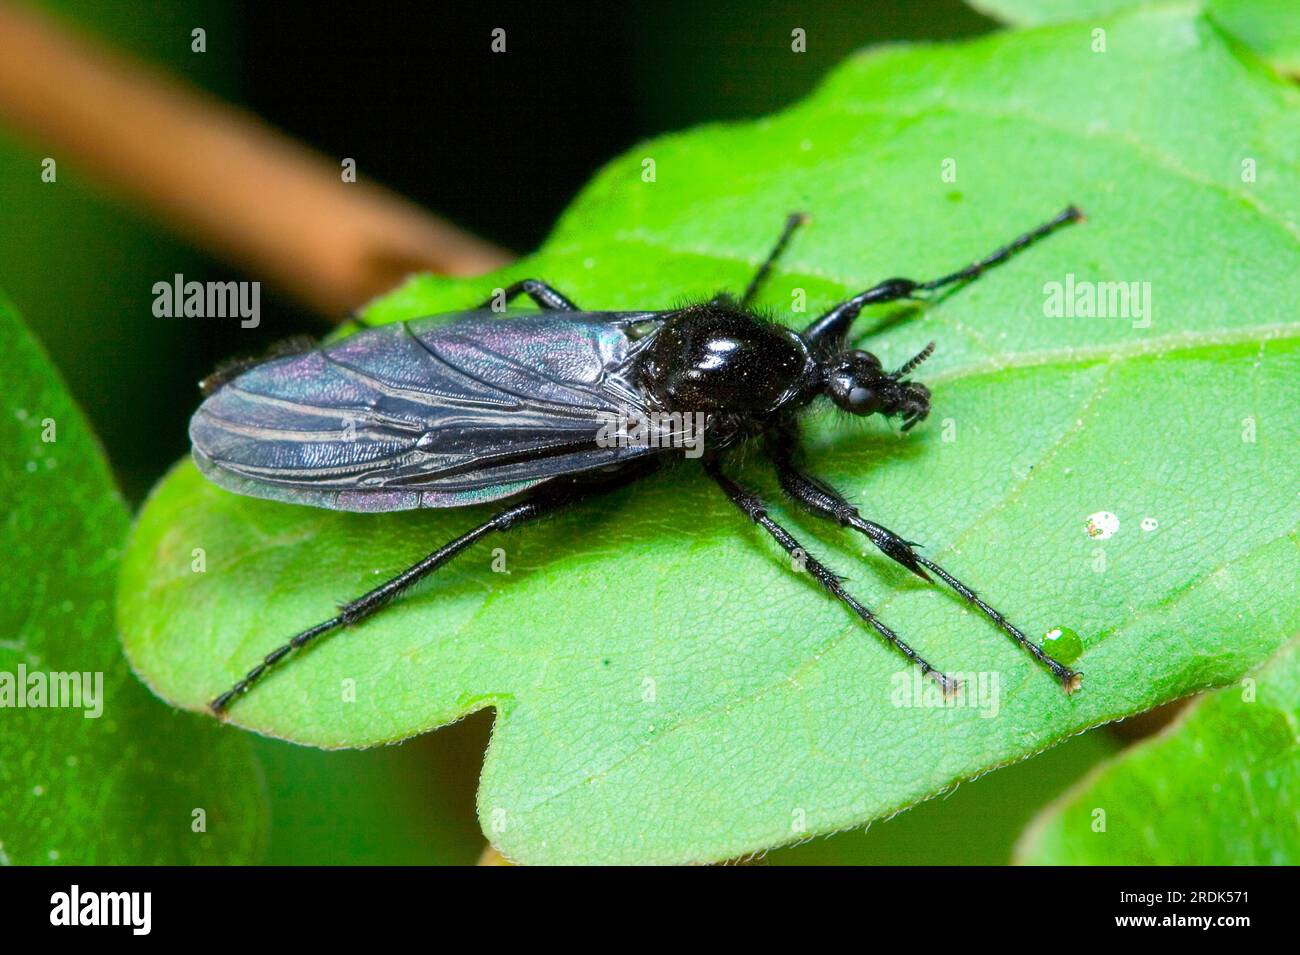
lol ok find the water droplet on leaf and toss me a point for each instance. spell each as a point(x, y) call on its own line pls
point(1063, 645)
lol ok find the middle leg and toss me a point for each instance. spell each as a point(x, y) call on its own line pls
point(821, 499)
point(753, 508)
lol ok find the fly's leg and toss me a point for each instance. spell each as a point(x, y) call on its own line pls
point(541, 293)
point(752, 507)
point(523, 512)
point(373, 600)
point(821, 499)
point(834, 325)
point(546, 298)
point(540, 505)
point(792, 222)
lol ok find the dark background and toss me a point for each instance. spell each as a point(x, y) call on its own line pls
point(498, 143)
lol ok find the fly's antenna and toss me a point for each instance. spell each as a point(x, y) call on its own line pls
point(912, 362)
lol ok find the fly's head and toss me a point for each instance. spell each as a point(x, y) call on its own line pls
point(857, 382)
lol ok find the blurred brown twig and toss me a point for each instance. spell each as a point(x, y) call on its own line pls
point(491, 857)
point(218, 175)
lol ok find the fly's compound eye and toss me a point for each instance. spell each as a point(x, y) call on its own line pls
point(854, 382)
point(863, 400)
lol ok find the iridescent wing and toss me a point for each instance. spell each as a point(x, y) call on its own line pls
point(435, 412)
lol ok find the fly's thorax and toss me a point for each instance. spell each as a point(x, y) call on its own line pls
point(719, 359)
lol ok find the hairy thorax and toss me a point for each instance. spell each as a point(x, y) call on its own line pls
point(719, 359)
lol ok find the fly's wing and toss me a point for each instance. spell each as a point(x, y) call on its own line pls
point(435, 412)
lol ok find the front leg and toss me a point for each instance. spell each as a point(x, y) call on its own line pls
point(819, 498)
point(830, 331)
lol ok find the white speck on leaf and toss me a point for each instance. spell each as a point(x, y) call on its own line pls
point(1102, 525)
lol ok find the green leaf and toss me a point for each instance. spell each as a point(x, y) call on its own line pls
point(1220, 786)
point(1269, 27)
point(975, 824)
point(117, 778)
point(771, 705)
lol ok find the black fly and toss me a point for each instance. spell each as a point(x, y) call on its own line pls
point(470, 408)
